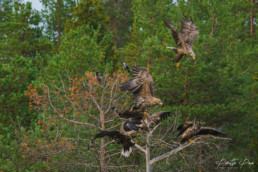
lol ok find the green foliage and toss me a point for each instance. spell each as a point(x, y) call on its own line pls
point(91, 12)
point(55, 14)
point(132, 50)
point(80, 50)
point(15, 79)
point(20, 31)
point(15, 110)
point(254, 141)
point(87, 12)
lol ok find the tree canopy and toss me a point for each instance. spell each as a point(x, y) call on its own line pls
point(52, 105)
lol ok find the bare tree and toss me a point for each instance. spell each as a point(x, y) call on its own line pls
point(74, 109)
point(82, 102)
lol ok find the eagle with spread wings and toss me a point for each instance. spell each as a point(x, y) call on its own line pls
point(190, 129)
point(123, 137)
point(184, 39)
point(142, 88)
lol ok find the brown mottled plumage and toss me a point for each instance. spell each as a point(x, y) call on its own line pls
point(142, 88)
point(185, 38)
point(181, 128)
point(193, 129)
point(146, 120)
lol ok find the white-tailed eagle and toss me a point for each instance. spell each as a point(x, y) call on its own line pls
point(189, 130)
point(184, 39)
point(142, 88)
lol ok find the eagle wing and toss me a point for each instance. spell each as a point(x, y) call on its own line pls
point(131, 126)
point(211, 131)
point(117, 135)
point(111, 134)
point(132, 114)
point(189, 31)
point(141, 85)
point(183, 127)
point(160, 115)
point(180, 42)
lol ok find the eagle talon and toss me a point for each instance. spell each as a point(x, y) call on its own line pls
point(145, 114)
point(190, 140)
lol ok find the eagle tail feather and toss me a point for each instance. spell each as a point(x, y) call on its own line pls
point(126, 151)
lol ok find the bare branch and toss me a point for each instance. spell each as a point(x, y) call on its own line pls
point(61, 116)
point(139, 147)
point(113, 126)
point(150, 133)
point(181, 147)
point(109, 143)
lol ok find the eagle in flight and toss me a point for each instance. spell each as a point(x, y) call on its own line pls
point(189, 130)
point(184, 39)
point(142, 88)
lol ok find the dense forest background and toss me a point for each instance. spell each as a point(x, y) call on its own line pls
point(43, 53)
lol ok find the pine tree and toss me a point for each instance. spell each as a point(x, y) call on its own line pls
point(91, 12)
point(55, 14)
point(20, 31)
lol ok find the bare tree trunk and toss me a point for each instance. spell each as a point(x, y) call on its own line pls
point(103, 155)
point(148, 166)
point(103, 141)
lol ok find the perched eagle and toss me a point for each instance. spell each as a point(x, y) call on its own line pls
point(142, 88)
point(185, 38)
point(123, 136)
point(181, 128)
point(98, 76)
point(146, 120)
point(125, 67)
point(189, 130)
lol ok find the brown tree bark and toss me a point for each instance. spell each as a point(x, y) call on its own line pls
point(103, 140)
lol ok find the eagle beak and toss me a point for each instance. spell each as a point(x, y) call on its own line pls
point(161, 104)
point(193, 58)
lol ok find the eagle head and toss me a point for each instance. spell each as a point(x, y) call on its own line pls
point(192, 54)
point(156, 101)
